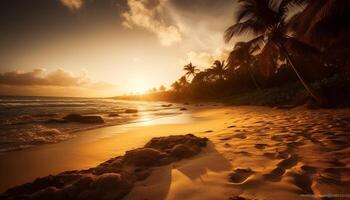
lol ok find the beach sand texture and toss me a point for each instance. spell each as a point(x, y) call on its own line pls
point(253, 153)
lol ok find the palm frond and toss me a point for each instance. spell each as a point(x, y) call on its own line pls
point(285, 5)
point(243, 27)
point(330, 19)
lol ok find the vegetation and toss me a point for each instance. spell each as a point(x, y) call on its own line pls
point(296, 52)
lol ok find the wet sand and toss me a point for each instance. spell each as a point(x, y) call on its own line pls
point(255, 153)
point(88, 149)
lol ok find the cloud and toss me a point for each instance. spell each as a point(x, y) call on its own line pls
point(73, 4)
point(56, 83)
point(152, 16)
point(37, 77)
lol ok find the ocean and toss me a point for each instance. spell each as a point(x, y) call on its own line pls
point(30, 121)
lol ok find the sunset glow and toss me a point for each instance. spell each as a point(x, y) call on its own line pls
point(174, 99)
point(138, 86)
point(141, 43)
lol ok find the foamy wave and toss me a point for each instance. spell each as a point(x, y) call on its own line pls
point(31, 121)
point(36, 134)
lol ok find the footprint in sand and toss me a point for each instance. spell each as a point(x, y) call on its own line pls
point(227, 145)
point(288, 162)
point(277, 173)
point(225, 138)
point(260, 146)
point(244, 153)
point(303, 182)
point(240, 136)
point(283, 154)
point(240, 175)
point(331, 175)
point(277, 138)
point(270, 155)
point(233, 126)
point(308, 169)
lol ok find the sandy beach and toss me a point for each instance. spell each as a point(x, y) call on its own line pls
point(253, 153)
point(174, 100)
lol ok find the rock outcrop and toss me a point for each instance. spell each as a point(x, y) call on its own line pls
point(91, 119)
point(114, 178)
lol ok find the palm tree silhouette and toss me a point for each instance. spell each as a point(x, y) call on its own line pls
point(323, 20)
point(183, 81)
point(242, 57)
point(191, 70)
point(218, 69)
point(176, 86)
point(267, 19)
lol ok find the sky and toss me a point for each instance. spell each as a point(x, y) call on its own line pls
point(106, 47)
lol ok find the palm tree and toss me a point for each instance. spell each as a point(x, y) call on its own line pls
point(323, 19)
point(218, 69)
point(267, 20)
point(191, 70)
point(176, 86)
point(183, 81)
point(242, 57)
point(162, 88)
point(201, 77)
point(324, 24)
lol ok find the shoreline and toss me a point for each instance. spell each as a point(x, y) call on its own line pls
point(26, 130)
point(253, 153)
point(96, 127)
point(30, 158)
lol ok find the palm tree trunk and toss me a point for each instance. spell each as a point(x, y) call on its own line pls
point(320, 99)
point(253, 78)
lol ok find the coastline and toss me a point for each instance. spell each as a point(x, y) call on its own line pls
point(253, 152)
point(27, 124)
point(24, 165)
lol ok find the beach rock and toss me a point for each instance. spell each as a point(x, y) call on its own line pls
point(83, 183)
point(167, 105)
point(141, 173)
point(111, 166)
point(183, 109)
point(54, 121)
point(47, 193)
point(145, 157)
point(129, 111)
point(84, 119)
point(46, 115)
point(183, 151)
point(41, 186)
point(166, 144)
point(110, 186)
point(238, 198)
point(114, 178)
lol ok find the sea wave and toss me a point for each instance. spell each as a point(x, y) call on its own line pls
point(31, 121)
point(18, 138)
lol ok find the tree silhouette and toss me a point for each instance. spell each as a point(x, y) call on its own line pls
point(191, 70)
point(267, 19)
point(218, 69)
point(176, 86)
point(242, 57)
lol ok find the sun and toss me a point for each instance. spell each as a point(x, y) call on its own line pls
point(138, 86)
